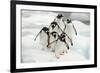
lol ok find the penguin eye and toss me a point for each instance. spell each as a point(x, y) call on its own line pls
point(53, 25)
point(68, 20)
point(54, 35)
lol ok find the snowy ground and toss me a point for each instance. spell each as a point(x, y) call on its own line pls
point(31, 50)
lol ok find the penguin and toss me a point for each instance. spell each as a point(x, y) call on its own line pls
point(60, 22)
point(53, 36)
point(55, 27)
point(70, 29)
point(61, 45)
point(44, 37)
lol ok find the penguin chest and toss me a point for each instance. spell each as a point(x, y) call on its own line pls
point(60, 46)
point(51, 40)
point(70, 31)
point(43, 39)
point(61, 24)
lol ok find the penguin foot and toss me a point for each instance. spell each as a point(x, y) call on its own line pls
point(71, 43)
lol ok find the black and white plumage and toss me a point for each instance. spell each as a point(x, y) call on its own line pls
point(53, 36)
point(59, 20)
point(44, 37)
point(58, 35)
point(55, 27)
point(70, 29)
point(61, 46)
point(60, 26)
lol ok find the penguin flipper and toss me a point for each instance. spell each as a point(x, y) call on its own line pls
point(38, 35)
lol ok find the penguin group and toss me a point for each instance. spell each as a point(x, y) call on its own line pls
point(58, 35)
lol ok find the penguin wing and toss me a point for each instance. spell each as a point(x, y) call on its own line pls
point(64, 24)
point(66, 44)
point(38, 35)
point(69, 39)
point(74, 29)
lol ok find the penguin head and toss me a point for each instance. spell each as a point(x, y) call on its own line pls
point(54, 34)
point(53, 25)
point(46, 30)
point(60, 16)
point(69, 20)
point(62, 36)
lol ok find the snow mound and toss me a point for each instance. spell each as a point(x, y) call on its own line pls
point(32, 52)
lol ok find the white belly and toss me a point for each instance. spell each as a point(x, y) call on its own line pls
point(43, 39)
point(70, 31)
point(60, 48)
point(53, 44)
point(61, 24)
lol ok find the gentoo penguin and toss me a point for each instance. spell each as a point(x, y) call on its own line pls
point(59, 20)
point(53, 36)
point(44, 37)
point(70, 29)
point(56, 28)
point(61, 45)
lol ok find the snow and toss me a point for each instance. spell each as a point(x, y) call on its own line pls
point(37, 18)
point(32, 51)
